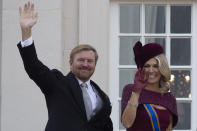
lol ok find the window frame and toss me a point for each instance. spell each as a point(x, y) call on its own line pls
point(114, 51)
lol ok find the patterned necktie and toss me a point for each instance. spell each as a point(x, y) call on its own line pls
point(87, 100)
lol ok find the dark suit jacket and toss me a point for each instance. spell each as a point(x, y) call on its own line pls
point(66, 110)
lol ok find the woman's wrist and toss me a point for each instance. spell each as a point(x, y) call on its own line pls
point(133, 101)
point(131, 104)
point(135, 95)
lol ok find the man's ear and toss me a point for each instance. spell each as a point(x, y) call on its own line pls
point(71, 62)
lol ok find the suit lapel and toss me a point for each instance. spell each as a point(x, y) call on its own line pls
point(106, 108)
point(77, 93)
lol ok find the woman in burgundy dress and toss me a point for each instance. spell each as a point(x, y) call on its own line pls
point(147, 105)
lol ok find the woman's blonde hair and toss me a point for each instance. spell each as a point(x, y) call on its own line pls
point(165, 72)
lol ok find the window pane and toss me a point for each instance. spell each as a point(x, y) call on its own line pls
point(180, 19)
point(129, 18)
point(155, 19)
point(184, 113)
point(181, 83)
point(180, 51)
point(160, 41)
point(126, 77)
point(126, 50)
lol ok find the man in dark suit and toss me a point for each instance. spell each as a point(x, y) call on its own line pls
point(74, 102)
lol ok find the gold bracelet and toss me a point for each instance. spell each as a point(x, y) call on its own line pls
point(130, 104)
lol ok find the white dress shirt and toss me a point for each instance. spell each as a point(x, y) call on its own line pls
point(91, 93)
point(27, 42)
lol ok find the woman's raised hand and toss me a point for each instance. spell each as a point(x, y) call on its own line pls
point(140, 81)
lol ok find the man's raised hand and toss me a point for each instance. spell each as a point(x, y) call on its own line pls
point(28, 19)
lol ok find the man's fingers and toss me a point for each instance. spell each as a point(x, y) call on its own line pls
point(29, 7)
point(25, 7)
point(28, 10)
point(31, 10)
point(20, 11)
point(28, 4)
point(36, 15)
point(32, 7)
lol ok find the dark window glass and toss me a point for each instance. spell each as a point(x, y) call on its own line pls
point(180, 51)
point(184, 113)
point(129, 18)
point(126, 76)
point(181, 82)
point(155, 19)
point(126, 50)
point(180, 19)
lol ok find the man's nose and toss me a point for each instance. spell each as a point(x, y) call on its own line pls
point(85, 63)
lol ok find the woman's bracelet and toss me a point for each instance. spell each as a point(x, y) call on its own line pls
point(130, 104)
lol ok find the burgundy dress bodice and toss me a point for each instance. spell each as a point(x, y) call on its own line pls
point(142, 120)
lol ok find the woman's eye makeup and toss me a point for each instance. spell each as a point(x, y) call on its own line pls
point(155, 66)
point(146, 66)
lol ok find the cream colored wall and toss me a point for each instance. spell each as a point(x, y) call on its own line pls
point(87, 22)
point(70, 29)
point(94, 29)
point(22, 103)
point(0, 49)
point(62, 24)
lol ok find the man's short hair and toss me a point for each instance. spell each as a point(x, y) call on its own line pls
point(83, 47)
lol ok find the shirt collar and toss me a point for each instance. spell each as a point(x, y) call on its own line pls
point(80, 82)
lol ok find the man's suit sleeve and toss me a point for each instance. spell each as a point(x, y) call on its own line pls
point(108, 124)
point(36, 70)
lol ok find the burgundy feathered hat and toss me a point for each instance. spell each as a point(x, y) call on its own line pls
point(146, 52)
